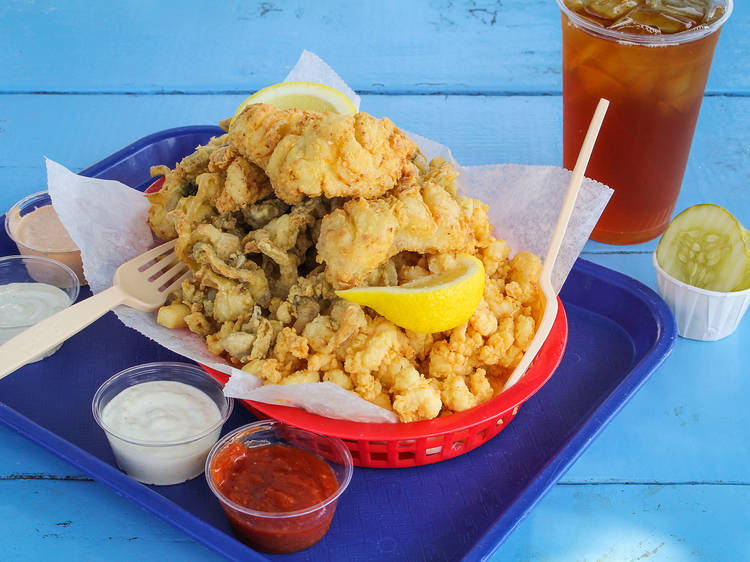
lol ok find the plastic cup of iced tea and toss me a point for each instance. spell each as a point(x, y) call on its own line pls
point(651, 61)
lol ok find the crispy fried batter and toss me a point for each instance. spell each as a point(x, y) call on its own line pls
point(308, 154)
point(235, 184)
point(363, 234)
point(177, 184)
point(371, 211)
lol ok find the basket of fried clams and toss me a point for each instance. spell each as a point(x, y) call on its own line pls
point(290, 206)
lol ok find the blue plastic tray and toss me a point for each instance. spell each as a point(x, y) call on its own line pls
point(619, 333)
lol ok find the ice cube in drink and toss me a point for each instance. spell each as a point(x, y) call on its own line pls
point(649, 16)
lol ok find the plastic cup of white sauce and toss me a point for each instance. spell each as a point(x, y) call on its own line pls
point(161, 420)
point(33, 288)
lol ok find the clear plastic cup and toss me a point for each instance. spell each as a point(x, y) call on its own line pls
point(701, 314)
point(287, 531)
point(157, 460)
point(655, 84)
point(16, 219)
point(33, 288)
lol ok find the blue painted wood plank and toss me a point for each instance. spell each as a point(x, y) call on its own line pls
point(82, 520)
point(689, 423)
point(634, 522)
point(20, 458)
point(466, 46)
point(78, 130)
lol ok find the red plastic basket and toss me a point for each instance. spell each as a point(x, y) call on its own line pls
point(396, 445)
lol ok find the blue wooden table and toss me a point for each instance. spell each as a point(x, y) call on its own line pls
point(667, 480)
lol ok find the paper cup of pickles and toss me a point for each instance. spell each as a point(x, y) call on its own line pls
point(703, 271)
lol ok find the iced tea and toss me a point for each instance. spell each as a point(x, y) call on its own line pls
point(651, 59)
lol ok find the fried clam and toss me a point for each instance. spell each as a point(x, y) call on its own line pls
point(364, 234)
point(213, 180)
point(308, 154)
point(272, 218)
point(285, 241)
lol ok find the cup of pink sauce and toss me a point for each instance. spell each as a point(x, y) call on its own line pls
point(35, 227)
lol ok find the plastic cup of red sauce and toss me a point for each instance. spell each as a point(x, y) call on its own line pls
point(278, 485)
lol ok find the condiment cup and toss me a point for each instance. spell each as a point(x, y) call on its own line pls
point(701, 314)
point(290, 531)
point(13, 218)
point(32, 272)
point(157, 460)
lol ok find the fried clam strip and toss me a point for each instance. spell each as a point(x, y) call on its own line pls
point(230, 183)
point(219, 312)
point(227, 283)
point(284, 241)
point(242, 335)
point(426, 218)
point(307, 298)
point(178, 183)
point(260, 214)
point(217, 261)
point(307, 154)
point(309, 348)
point(245, 340)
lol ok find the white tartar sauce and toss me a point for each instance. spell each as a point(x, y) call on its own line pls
point(152, 428)
point(25, 304)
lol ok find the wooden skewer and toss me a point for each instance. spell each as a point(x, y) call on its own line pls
point(545, 277)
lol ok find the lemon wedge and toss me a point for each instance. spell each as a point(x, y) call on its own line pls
point(302, 95)
point(432, 304)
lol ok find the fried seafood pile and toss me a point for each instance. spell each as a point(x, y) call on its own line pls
point(291, 205)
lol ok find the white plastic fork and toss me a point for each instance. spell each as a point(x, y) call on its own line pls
point(143, 283)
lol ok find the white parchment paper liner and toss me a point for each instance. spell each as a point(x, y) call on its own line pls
point(108, 222)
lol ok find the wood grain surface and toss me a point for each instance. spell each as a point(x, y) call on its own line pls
point(666, 480)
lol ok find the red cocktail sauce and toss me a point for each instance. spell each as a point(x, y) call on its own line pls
point(275, 479)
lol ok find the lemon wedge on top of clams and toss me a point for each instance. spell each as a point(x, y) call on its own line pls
point(431, 304)
point(302, 95)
